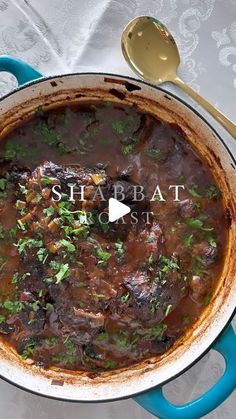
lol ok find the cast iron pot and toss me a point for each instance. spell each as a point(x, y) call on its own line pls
point(142, 381)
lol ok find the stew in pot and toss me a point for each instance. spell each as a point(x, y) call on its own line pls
point(77, 291)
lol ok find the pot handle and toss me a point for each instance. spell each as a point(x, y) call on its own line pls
point(23, 72)
point(155, 402)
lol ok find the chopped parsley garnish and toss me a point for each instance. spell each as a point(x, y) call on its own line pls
point(21, 225)
point(198, 224)
point(188, 240)
point(15, 278)
point(62, 273)
point(20, 204)
point(68, 245)
point(49, 307)
point(54, 264)
point(168, 264)
point(124, 126)
point(49, 211)
point(155, 304)
point(1, 231)
point(168, 309)
point(46, 180)
point(12, 232)
point(3, 184)
point(165, 266)
point(119, 246)
point(110, 364)
point(40, 294)
point(193, 190)
point(150, 239)
point(213, 192)
point(35, 305)
point(42, 254)
point(124, 298)
point(199, 266)
point(127, 149)
point(71, 353)
point(212, 242)
point(118, 126)
point(51, 341)
point(149, 261)
point(48, 280)
point(3, 261)
point(102, 336)
point(13, 306)
point(153, 154)
point(37, 198)
point(26, 242)
point(121, 340)
point(207, 300)
point(156, 332)
point(23, 189)
point(50, 137)
point(103, 256)
point(71, 231)
point(15, 150)
point(30, 348)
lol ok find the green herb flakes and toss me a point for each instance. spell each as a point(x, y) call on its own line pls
point(119, 246)
point(29, 348)
point(62, 273)
point(197, 223)
point(213, 192)
point(194, 192)
point(156, 332)
point(102, 255)
point(28, 243)
point(68, 245)
point(124, 298)
point(49, 307)
point(102, 336)
point(42, 254)
point(13, 306)
point(168, 309)
point(188, 240)
point(49, 211)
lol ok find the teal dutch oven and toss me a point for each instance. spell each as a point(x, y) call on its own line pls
point(144, 381)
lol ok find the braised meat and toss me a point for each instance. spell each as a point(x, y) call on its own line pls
point(78, 292)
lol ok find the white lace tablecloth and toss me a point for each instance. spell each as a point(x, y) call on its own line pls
point(57, 36)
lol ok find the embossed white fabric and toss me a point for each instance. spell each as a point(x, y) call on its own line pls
point(60, 36)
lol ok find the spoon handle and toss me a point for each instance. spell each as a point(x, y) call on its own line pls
point(220, 117)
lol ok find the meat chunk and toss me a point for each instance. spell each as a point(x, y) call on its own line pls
point(97, 319)
point(205, 251)
point(150, 297)
point(143, 243)
point(186, 208)
point(6, 329)
point(71, 174)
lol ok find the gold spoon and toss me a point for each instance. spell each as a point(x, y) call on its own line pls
point(151, 52)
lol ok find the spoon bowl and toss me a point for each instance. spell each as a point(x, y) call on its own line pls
point(151, 51)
